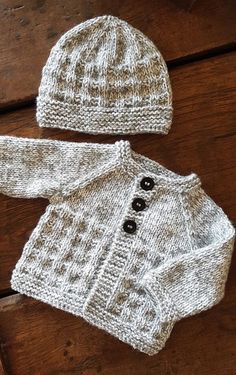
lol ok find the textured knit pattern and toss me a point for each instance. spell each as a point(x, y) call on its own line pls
point(104, 76)
point(80, 259)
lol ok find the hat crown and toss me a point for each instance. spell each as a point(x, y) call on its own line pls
point(108, 41)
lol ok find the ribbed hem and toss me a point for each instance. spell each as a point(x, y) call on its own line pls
point(31, 286)
point(96, 120)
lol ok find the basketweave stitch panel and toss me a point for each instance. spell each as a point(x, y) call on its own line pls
point(59, 249)
point(130, 302)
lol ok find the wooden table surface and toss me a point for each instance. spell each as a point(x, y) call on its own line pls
point(197, 39)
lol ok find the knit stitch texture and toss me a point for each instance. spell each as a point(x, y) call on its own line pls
point(133, 279)
point(105, 76)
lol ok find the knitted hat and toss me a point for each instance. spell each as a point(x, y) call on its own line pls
point(104, 76)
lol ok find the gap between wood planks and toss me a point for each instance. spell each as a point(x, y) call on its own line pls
point(7, 293)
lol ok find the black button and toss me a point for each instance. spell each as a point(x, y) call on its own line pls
point(129, 226)
point(138, 204)
point(147, 183)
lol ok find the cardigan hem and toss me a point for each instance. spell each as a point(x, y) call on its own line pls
point(32, 287)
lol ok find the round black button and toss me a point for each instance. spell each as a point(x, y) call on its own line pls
point(129, 226)
point(138, 204)
point(147, 183)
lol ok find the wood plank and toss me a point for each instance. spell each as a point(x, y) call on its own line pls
point(202, 139)
point(29, 30)
point(1, 369)
point(39, 339)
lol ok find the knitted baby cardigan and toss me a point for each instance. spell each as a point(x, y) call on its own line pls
point(124, 243)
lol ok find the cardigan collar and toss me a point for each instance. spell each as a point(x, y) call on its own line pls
point(135, 163)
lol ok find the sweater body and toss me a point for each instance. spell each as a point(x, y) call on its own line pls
point(79, 257)
point(127, 245)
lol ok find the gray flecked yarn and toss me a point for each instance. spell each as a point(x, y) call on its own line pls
point(80, 259)
point(105, 76)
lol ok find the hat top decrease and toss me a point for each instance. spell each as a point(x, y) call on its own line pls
point(108, 39)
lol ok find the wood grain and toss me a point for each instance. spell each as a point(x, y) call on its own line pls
point(180, 28)
point(202, 139)
point(1, 369)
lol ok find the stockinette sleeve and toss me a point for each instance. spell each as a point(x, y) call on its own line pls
point(31, 168)
point(195, 281)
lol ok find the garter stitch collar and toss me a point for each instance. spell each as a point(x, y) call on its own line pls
point(136, 163)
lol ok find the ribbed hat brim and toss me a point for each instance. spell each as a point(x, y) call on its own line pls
point(95, 120)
